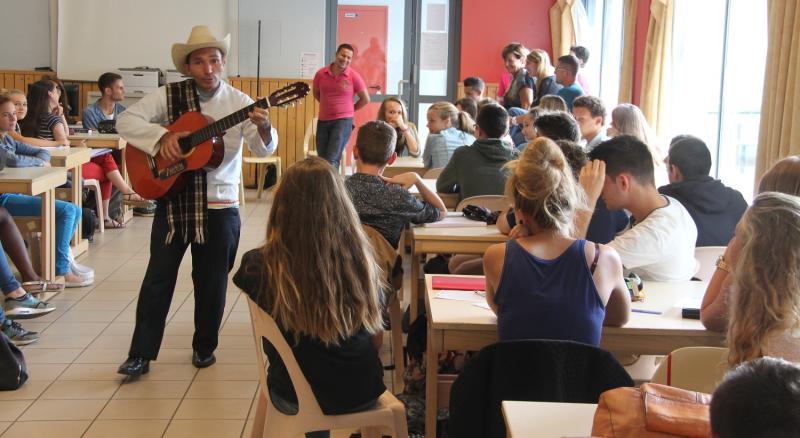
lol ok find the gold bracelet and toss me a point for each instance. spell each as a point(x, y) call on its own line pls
point(722, 264)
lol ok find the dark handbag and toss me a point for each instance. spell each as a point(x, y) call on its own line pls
point(13, 372)
point(478, 213)
point(107, 126)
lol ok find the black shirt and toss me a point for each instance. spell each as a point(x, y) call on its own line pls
point(342, 377)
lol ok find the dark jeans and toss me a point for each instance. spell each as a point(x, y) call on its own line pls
point(211, 263)
point(516, 130)
point(288, 408)
point(332, 136)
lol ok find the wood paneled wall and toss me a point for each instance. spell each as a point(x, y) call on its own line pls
point(489, 91)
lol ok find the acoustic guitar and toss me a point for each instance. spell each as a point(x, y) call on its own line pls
point(154, 177)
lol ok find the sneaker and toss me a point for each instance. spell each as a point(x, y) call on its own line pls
point(80, 281)
point(78, 269)
point(18, 335)
point(26, 307)
point(144, 211)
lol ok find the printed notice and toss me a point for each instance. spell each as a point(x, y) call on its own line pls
point(309, 64)
point(434, 51)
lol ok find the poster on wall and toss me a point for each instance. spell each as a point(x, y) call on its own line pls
point(309, 64)
point(433, 53)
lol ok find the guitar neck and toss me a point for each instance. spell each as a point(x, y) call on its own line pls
point(216, 129)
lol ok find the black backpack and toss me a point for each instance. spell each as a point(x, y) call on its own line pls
point(13, 372)
point(88, 223)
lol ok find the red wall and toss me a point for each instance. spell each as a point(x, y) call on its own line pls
point(488, 27)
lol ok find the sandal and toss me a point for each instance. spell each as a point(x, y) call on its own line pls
point(135, 200)
point(112, 224)
point(42, 286)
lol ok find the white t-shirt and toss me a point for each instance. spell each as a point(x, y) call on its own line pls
point(661, 246)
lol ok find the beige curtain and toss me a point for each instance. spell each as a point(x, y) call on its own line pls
point(628, 50)
point(562, 27)
point(779, 133)
point(657, 55)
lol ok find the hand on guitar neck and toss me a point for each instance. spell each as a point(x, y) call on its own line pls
point(169, 148)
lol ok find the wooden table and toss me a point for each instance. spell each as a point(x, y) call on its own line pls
point(41, 181)
point(547, 420)
point(403, 165)
point(113, 142)
point(450, 199)
point(72, 159)
point(451, 240)
point(459, 325)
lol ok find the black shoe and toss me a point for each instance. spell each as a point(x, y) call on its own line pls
point(134, 366)
point(203, 362)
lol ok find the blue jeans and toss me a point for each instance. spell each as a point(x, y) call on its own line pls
point(516, 131)
point(67, 217)
point(8, 283)
point(332, 136)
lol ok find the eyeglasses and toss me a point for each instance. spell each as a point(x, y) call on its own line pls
point(8, 115)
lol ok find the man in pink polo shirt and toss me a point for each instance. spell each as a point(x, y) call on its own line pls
point(334, 88)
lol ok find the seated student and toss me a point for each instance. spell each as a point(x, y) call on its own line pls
point(108, 107)
point(660, 244)
point(528, 130)
point(478, 169)
point(553, 102)
point(566, 73)
point(328, 308)
point(468, 105)
point(473, 88)
point(590, 113)
point(783, 177)
point(548, 285)
point(764, 320)
point(539, 67)
point(21, 105)
point(393, 112)
point(67, 214)
point(557, 125)
point(449, 129)
point(715, 208)
point(757, 399)
point(385, 203)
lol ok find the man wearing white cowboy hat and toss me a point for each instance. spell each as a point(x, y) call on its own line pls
point(205, 215)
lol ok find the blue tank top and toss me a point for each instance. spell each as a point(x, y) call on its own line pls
point(548, 299)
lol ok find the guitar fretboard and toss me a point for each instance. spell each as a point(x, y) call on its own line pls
point(216, 129)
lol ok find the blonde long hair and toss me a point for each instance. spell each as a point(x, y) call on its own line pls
point(460, 120)
point(543, 188)
point(766, 284)
point(320, 267)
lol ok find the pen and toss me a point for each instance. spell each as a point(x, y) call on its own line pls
point(480, 292)
point(650, 312)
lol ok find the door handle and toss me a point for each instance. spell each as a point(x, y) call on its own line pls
point(400, 86)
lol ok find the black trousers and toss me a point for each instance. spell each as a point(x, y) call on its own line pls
point(211, 264)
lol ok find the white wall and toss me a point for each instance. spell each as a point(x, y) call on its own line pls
point(26, 34)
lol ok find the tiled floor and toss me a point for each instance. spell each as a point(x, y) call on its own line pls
point(74, 390)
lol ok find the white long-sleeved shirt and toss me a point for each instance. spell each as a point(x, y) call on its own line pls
point(143, 125)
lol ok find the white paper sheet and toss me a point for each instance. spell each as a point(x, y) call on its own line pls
point(461, 295)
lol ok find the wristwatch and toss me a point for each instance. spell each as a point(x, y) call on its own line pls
point(722, 264)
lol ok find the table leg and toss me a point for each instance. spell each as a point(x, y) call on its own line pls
point(431, 379)
point(415, 262)
point(48, 217)
point(123, 170)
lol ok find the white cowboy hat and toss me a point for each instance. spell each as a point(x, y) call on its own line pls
point(200, 38)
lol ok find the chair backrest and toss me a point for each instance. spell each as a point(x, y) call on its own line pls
point(264, 326)
point(311, 131)
point(387, 257)
point(693, 368)
point(706, 256)
point(492, 202)
point(433, 173)
point(528, 370)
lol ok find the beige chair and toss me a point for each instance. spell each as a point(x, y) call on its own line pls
point(94, 185)
point(693, 368)
point(706, 257)
point(432, 173)
point(261, 170)
point(388, 415)
point(310, 138)
point(492, 202)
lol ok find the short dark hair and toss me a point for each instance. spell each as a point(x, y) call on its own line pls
point(474, 82)
point(626, 153)
point(375, 142)
point(575, 155)
point(558, 125)
point(691, 156)
point(493, 120)
point(345, 46)
point(580, 52)
point(469, 106)
point(592, 104)
point(107, 80)
point(570, 62)
point(760, 398)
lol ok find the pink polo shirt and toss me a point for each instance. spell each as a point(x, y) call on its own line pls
point(336, 92)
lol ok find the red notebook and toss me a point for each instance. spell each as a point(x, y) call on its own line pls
point(459, 283)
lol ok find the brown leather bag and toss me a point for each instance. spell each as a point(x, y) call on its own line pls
point(652, 411)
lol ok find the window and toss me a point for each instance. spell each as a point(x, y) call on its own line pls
point(603, 38)
point(719, 48)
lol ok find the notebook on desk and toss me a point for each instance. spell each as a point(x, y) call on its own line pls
point(458, 283)
point(455, 221)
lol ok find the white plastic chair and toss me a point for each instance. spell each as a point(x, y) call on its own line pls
point(311, 131)
point(94, 185)
point(693, 368)
point(389, 414)
point(492, 202)
point(706, 257)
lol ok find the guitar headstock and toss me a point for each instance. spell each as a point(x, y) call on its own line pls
point(285, 96)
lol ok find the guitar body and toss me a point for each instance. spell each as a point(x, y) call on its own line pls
point(167, 179)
